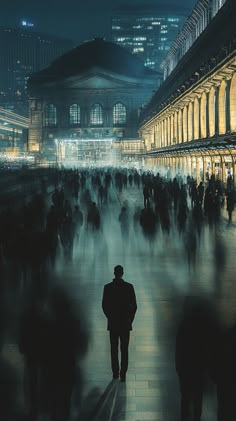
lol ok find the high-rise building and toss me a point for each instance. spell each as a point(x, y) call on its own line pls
point(24, 51)
point(148, 30)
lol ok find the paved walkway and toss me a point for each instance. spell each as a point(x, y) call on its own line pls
point(162, 279)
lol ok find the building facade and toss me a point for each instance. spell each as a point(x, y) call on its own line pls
point(202, 14)
point(147, 31)
point(24, 51)
point(87, 101)
point(190, 123)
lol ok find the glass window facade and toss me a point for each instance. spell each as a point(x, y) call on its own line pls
point(74, 114)
point(50, 115)
point(119, 114)
point(147, 33)
point(96, 115)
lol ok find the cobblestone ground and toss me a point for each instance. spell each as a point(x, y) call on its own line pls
point(162, 279)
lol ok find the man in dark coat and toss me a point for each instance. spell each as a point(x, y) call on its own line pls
point(119, 306)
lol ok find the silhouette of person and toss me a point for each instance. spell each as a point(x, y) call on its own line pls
point(31, 344)
point(224, 373)
point(191, 357)
point(119, 306)
point(64, 335)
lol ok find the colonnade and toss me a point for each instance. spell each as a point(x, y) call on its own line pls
point(201, 167)
point(205, 112)
point(202, 114)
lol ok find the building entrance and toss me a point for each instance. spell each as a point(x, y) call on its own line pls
point(73, 152)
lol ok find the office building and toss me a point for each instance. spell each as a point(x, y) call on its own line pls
point(147, 30)
point(24, 51)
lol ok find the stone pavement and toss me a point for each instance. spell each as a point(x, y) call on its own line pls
point(161, 279)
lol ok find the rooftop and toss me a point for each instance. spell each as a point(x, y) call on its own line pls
point(95, 53)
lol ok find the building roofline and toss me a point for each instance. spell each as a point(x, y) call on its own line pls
point(150, 8)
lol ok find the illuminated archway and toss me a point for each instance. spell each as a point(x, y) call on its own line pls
point(190, 121)
point(222, 108)
point(196, 119)
point(212, 112)
point(185, 123)
point(233, 104)
point(203, 116)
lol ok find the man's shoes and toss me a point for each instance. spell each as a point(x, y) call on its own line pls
point(122, 378)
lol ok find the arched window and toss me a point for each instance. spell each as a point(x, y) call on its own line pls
point(50, 115)
point(74, 114)
point(96, 115)
point(119, 114)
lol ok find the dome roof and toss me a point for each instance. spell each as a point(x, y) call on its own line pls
point(96, 53)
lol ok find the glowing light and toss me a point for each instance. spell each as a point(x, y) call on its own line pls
point(26, 23)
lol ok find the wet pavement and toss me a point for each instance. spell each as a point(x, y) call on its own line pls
point(162, 279)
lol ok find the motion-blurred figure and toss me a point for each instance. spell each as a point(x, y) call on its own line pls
point(223, 371)
point(63, 348)
point(32, 341)
point(191, 358)
point(230, 201)
point(124, 223)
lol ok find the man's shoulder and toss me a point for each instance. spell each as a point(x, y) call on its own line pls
point(124, 284)
point(128, 284)
point(108, 285)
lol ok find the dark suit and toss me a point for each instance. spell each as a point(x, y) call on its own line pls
point(119, 306)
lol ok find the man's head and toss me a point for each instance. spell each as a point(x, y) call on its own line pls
point(118, 271)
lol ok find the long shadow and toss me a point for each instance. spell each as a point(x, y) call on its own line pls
point(103, 407)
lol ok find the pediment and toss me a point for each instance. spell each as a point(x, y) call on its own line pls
point(100, 81)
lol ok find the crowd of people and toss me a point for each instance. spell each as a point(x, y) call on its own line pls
point(49, 225)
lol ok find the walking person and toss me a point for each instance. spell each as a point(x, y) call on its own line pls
point(230, 203)
point(119, 306)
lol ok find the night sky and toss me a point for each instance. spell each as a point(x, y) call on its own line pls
point(79, 20)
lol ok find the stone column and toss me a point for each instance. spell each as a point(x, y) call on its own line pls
point(180, 124)
point(207, 115)
point(171, 129)
point(227, 106)
point(203, 168)
point(168, 130)
point(217, 110)
point(197, 170)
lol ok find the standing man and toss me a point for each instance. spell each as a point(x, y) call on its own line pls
point(119, 306)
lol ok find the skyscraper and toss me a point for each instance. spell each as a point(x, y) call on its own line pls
point(147, 30)
point(24, 51)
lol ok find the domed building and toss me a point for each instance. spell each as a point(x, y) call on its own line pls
point(86, 104)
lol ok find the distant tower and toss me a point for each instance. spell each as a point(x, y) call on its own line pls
point(24, 51)
point(147, 30)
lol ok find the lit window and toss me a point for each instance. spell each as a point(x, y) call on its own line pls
point(74, 114)
point(96, 115)
point(50, 115)
point(139, 38)
point(138, 50)
point(119, 114)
